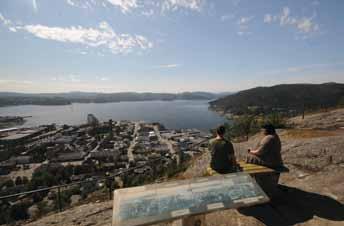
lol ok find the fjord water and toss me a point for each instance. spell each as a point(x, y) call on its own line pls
point(173, 114)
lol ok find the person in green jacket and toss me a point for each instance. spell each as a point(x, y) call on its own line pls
point(222, 153)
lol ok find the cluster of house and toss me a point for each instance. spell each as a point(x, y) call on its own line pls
point(110, 146)
point(68, 145)
point(16, 144)
point(148, 146)
point(189, 142)
point(112, 151)
point(144, 152)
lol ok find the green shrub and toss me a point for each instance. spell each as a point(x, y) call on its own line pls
point(242, 126)
point(276, 119)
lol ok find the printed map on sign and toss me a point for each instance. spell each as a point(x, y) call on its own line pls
point(166, 201)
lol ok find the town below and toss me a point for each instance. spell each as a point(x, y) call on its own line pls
point(50, 155)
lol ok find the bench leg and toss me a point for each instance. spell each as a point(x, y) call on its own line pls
point(268, 183)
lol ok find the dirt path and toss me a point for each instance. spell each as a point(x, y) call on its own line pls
point(132, 143)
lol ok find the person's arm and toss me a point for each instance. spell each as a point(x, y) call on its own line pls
point(264, 147)
point(209, 145)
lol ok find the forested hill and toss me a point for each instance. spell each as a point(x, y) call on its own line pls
point(293, 97)
point(10, 98)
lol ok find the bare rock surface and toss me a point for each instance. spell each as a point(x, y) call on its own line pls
point(326, 120)
point(92, 214)
point(311, 194)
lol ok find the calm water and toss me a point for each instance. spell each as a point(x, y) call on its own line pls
point(173, 114)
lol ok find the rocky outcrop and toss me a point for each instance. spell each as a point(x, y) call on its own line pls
point(311, 194)
point(92, 214)
point(325, 120)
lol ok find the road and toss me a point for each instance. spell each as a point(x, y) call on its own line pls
point(173, 151)
point(132, 143)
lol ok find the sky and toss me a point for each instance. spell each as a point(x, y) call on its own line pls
point(168, 45)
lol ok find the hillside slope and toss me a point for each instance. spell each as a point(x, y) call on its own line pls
point(312, 193)
point(291, 97)
point(7, 99)
point(92, 214)
point(325, 120)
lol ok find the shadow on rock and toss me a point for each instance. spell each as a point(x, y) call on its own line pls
point(293, 206)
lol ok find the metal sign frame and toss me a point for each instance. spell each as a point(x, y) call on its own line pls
point(150, 204)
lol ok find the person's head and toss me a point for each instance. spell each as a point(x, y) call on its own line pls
point(221, 130)
point(269, 129)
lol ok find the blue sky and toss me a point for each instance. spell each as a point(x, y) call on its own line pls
point(168, 45)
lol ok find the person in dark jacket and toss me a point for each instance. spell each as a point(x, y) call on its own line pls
point(222, 153)
point(268, 153)
point(268, 150)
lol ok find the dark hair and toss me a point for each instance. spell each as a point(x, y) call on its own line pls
point(270, 129)
point(221, 130)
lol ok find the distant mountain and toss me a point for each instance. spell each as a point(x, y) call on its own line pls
point(12, 98)
point(283, 97)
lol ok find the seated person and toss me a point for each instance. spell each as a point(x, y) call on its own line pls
point(268, 151)
point(222, 153)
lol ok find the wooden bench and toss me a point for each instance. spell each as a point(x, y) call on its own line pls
point(253, 169)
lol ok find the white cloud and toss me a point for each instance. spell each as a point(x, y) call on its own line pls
point(244, 20)
point(268, 18)
point(7, 23)
point(147, 7)
point(304, 25)
point(148, 13)
point(125, 5)
point(103, 36)
point(284, 17)
point(243, 23)
point(34, 5)
point(167, 66)
point(74, 78)
point(172, 5)
point(84, 4)
point(70, 2)
point(4, 20)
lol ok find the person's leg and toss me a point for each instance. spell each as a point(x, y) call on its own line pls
point(253, 159)
point(268, 182)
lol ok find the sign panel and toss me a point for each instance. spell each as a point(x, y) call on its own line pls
point(155, 203)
